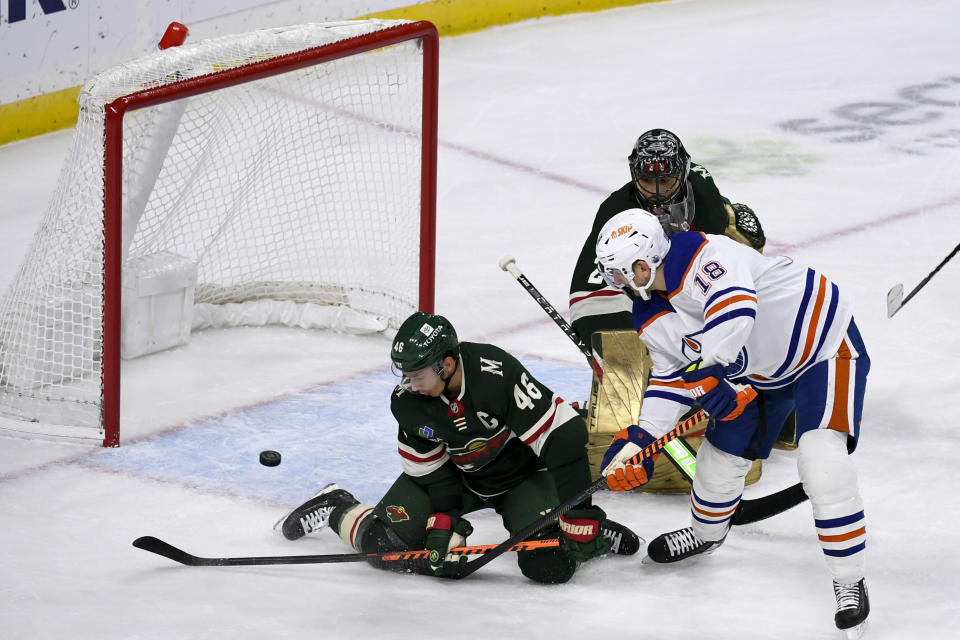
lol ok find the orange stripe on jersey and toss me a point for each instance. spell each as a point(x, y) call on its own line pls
point(650, 321)
point(728, 302)
point(840, 418)
point(841, 537)
point(676, 384)
point(693, 259)
point(814, 321)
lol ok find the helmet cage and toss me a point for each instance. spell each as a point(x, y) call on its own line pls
point(659, 154)
point(406, 381)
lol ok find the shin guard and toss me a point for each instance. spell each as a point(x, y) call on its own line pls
point(830, 479)
point(717, 488)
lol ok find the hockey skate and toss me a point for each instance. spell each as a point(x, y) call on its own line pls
point(624, 541)
point(314, 514)
point(853, 607)
point(679, 545)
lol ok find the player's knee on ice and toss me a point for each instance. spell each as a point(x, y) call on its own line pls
point(547, 566)
point(379, 538)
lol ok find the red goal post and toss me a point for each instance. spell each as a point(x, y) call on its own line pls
point(286, 176)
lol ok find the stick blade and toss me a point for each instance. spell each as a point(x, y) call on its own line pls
point(750, 511)
point(894, 300)
point(161, 548)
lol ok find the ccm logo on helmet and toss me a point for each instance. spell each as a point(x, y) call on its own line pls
point(622, 230)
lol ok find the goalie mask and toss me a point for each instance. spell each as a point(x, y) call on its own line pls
point(627, 237)
point(659, 166)
point(422, 342)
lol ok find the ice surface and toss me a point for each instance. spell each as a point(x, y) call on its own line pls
point(838, 122)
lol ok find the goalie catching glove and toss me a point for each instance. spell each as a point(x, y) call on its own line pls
point(445, 532)
point(626, 444)
point(747, 223)
point(582, 535)
point(714, 393)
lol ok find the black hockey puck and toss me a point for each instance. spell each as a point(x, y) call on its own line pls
point(269, 458)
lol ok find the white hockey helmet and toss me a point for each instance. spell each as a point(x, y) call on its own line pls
point(627, 237)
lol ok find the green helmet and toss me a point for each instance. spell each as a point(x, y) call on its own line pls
point(423, 340)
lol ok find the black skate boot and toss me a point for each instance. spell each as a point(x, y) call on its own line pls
point(625, 542)
point(314, 514)
point(853, 607)
point(679, 545)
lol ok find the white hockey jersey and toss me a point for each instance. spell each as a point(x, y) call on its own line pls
point(765, 319)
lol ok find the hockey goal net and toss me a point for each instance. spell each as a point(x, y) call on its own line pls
point(284, 176)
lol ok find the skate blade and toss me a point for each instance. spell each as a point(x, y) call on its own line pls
point(650, 562)
point(854, 633)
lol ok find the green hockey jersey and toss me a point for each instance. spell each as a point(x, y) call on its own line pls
point(503, 425)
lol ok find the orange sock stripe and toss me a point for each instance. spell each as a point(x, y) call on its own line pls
point(711, 514)
point(840, 537)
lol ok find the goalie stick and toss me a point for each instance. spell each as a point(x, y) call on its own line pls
point(895, 298)
point(159, 547)
point(749, 510)
point(509, 264)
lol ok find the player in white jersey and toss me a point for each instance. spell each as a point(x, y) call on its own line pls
point(716, 315)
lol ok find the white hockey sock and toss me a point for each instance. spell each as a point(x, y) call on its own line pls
point(717, 488)
point(830, 479)
point(349, 526)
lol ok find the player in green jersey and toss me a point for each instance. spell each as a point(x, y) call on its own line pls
point(682, 195)
point(476, 431)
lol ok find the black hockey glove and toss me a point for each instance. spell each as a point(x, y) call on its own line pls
point(581, 533)
point(445, 532)
point(749, 225)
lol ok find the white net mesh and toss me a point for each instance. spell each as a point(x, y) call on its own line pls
point(297, 196)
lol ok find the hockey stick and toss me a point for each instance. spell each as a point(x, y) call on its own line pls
point(679, 448)
point(749, 510)
point(508, 264)
point(895, 298)
point(651, 449)
point(155, 545)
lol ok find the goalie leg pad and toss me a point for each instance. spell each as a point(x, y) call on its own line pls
point(830, 479)
point(717, 488)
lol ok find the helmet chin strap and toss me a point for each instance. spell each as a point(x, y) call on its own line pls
point(446, 381)
point(644, 292)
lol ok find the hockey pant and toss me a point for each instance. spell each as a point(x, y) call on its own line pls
point(398, 522)
point(828, 399)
